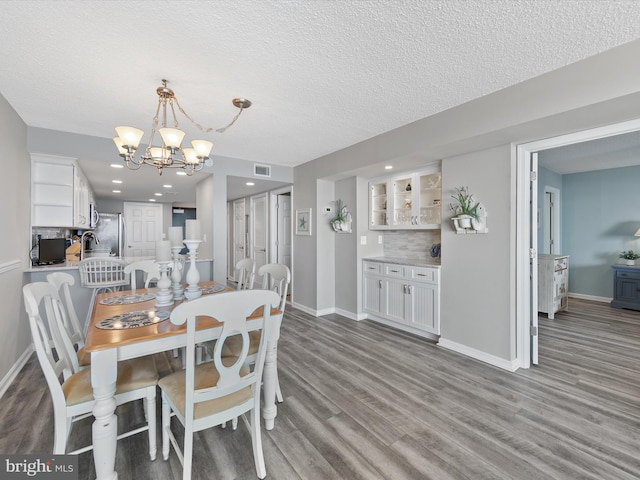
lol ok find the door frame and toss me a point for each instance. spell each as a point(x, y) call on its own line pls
point(525, 222)
point(273, 234)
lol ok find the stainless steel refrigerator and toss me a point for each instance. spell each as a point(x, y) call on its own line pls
point(110, 233)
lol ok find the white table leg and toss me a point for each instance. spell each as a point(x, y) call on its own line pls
point(105, 426)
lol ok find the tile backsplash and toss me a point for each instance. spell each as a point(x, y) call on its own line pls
point(409, 243)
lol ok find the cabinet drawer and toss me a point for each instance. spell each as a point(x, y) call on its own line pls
point(371, 267)
point(628, 274)
point(396, 271)
point(423, 274)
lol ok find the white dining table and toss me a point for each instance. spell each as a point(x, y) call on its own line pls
point(108, 347)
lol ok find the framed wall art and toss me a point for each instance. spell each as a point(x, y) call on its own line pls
point(303, 221)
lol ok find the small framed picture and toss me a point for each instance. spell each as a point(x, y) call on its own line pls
point(303, 221)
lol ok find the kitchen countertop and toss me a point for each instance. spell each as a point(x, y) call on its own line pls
point(416, 262)
point(73, 264)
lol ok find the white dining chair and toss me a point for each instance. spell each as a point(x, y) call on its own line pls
point(150, 269)
point(214, 392)
point(63, 281)
point(275, 277)
point(70, 388)
point(245, 273)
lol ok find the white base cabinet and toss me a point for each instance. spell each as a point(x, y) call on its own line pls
point(404, 295)
point(553, 283)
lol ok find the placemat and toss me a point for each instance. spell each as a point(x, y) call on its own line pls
point(141, 318)
point(209, 289)
point(127, 299)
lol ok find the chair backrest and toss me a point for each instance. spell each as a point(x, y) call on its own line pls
point(149, 267)
point(45, 310)
point(245, 273)
point(232, 310)
point(62, 281)
point(276, 277)
point(102, 272)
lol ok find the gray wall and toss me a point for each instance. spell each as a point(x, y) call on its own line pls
point(346, 248)
point(478, 271)
point(600, 212)
point(16, 214)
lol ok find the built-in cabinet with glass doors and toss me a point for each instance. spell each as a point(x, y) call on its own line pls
point(406, 201)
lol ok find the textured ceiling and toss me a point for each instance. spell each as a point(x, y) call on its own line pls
point(323, 75)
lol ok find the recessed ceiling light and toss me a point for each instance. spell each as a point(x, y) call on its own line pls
point(181, 173)
point(117, 165)
point(388, 167)
point(115, 191)
point(167, 186)
point(158, 194)
point(116, 181)
point(249, 184)
point(152, 199)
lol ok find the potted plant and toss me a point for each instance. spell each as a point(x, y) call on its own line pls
point(629, 257)
point(340, 219)
point(465, 208)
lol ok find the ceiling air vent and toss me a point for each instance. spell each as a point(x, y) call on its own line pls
point(261, 170)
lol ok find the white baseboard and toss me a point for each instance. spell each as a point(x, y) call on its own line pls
point(511, 366)
point(328, 311)
point(594, 298)
point(403, 327)
point(11, 375)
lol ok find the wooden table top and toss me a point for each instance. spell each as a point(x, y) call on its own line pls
point(101, 339)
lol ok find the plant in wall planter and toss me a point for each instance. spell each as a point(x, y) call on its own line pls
point(470, 216)
point(341, 220)
point(629, 257)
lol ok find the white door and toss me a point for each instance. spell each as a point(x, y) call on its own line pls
point(259, 221)
point(239, 234)
point(533, 263)
point(284, 230)
point(143, 228)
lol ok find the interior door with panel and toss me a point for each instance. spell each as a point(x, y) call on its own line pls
point(143, 228)
point(259, 221)
point(239, 234)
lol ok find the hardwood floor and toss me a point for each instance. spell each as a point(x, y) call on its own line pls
point(363, 401)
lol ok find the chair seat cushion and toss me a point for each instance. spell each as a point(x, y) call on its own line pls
point(84, 357)
point(233, 345)
point(205, 375)
point(132, 375)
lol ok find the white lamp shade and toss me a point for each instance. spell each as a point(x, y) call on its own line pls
point(129, 136)
point(190, 156)
point(202, 148)
point(172, 137)
point(156, 152)
point(121, 150)
point(637, 234)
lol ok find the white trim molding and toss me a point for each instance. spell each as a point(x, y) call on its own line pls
point(593, 298)
point(509, 365)
point(11, 375)
point(10, 265)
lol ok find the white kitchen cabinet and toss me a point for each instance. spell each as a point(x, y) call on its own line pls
point(553, 283)
point(407, 201)
point(403, 295)
point(371, 287)
point(59, 193)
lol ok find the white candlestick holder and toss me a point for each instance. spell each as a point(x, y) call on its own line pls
point(193, 276)
point(164, 296)
point(176, 274)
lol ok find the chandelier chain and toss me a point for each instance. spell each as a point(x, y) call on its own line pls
point(200, 127)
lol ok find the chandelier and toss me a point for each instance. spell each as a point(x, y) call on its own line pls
point(170, 154)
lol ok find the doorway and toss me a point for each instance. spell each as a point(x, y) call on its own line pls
point(526, 224)
point(143, 227)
